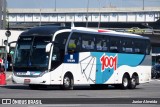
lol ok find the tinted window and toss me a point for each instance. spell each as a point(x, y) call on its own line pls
point(23, 50)
point(127, 45)
point(38, 50)
point(139, 46)
point(102, 43)
point(88, 42)
point(75, 42)
point(115, 44)
point(61, 39)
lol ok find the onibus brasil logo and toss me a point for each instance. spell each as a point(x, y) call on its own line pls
point(108, 62)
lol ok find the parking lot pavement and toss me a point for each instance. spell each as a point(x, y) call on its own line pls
point(155, 79)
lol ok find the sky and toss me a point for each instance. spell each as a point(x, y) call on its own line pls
point(80, 3)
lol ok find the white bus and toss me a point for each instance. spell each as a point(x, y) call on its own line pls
point(68, 57)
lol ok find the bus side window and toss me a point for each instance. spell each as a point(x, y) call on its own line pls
point(115, 44)
point(88, 42)
point(55, 59)
point(55, 54)
point(101, 44)
point(140, 47)
point(127, 45)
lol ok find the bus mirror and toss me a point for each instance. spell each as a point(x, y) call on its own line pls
point(48, 47)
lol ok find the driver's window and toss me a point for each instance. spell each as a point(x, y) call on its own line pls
point(55, 59)
point(55, 54)
point(74, 43)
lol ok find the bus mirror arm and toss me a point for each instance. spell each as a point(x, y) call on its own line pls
point(48, 46)
point(9, 44)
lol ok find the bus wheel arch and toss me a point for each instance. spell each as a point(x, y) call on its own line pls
point(68, 81)
point(134, 81)
point(125, 81)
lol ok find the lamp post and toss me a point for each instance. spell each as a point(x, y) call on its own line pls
point(99, 15)
point(4, 13)
point(143, 4)
point(87, 14)
point(55, 4)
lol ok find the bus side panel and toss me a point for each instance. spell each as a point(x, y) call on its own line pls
point(146, 69)
point(111, 67)
point(88, 68)
point(75, 69)
point(143, 70)
point(56, 75)
point(106, 64)
point(83, 71)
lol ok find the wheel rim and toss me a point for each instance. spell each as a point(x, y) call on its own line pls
point(133, 81)
point(66, 81)
point(125, 82)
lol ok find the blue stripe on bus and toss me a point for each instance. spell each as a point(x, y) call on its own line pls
point(103, 75)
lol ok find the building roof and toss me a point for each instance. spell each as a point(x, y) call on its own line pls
point(80, 10)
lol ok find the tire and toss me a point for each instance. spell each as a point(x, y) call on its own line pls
point(67, 82)
point(125, 82)
point(133, 82)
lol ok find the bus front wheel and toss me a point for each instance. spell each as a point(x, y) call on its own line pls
point(67, 82)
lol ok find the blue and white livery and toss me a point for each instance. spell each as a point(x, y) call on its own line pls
point(80, 56)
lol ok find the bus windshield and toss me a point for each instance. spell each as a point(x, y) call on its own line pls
point(30, 52)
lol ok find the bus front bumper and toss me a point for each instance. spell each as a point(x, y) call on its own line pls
point(44, 80)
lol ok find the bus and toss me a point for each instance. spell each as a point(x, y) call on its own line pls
point(70, 56)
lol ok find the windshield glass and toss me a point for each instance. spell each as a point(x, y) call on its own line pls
point(30, 51)
point(23, 51)
point(38, 54)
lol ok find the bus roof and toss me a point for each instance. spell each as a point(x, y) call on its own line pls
point(107, 32)
point(50, 30)
point(43, 30)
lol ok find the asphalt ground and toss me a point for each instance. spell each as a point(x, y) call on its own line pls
point(81, 96)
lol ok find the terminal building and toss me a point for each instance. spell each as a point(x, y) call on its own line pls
point(92, 17)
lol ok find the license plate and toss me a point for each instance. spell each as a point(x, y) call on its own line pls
point(27, 81)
